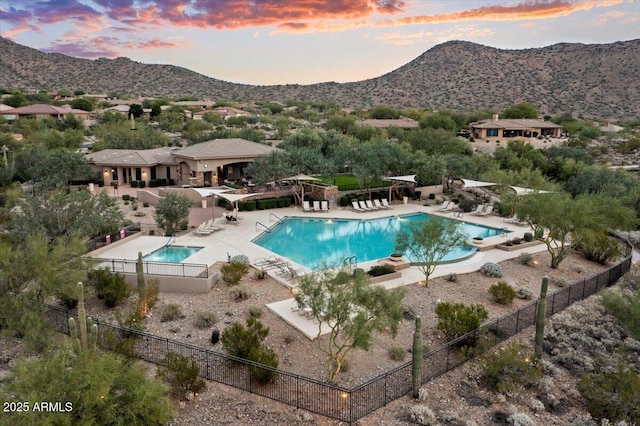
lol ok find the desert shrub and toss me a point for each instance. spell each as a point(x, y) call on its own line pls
point(259, 274)
point(422, 415)
point(255, 311)
point(467, 205)
point(126, 197)
point(181, 374)
point(612, 392)
point(358, 272)
point(239, 293)
point(491, 269)
point(458, 319)
point(523, 293)
point(559, 281)
point(625, 308)
point(205, 320)
point(502, 293)
point(247, 342)
point(528, 236)
point(110, 288)
point(240, 258)
point(520, 419)
point(509, 369)
point(170, 312)
point(233, 272)
point(378, 270)
point(525, 258)
point(599, 248)
point(452, 277)
point(396, 353)
point(151, 292)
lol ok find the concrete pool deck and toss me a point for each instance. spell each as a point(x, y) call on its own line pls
point(236, 239)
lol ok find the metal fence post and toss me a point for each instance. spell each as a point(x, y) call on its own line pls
point(518, 321)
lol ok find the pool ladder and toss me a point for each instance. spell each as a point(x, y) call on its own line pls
point(266, 228)
point(351, 261)
point(278, 219)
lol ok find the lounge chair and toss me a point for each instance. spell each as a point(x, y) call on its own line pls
point(479, 210)
point(444, 206)
point(272, 262)
point(306, 207)
point(287, 270)
point(363, 206)
point(377, 204)
point(356, 206)
point(202, 230)
point(370, 205)
point(324, 206)
point(385, 203)
point(487, 211)
point(316, 206)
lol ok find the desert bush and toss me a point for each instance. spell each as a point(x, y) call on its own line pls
point(509, 369)
point(110, 288)
point(525, 258)
point(240, 258)
point(467, 205)
point(255, 311)
point(491, 269)
point(259, 274)
point(458, 319)
point(396, 353)
point(559, 281)
point(528, 236)
point(239, 293)
point(247, 342)
point(378, 270)
point(520, 419)
point(181, 374)
point(612, 392)
point(205, 320)
point(625, 308)
point(452, 277)
point(422, 415)
point(170, 312)
point(233, 272)
point(502, 293)
point(599, 248)
point(523, 293)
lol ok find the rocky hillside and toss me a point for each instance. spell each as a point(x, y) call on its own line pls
point(589, 80)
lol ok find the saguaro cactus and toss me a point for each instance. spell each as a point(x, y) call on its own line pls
point(540, 315)
point(85, 338)
point(416, 359)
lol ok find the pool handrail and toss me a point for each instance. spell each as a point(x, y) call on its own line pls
point(266, 228)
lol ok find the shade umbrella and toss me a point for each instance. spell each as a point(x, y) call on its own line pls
point(234, 198)
point(207, 192)
point(525, 191)
point(405, 179)
point(297, 179)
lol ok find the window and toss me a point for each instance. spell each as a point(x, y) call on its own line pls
point(492, 132)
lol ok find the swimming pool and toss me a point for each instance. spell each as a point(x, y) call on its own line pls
point(171, 254)
point(311, 241)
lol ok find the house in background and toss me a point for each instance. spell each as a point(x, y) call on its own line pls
point(43, 111)
point(495, 128)
point(210, 163)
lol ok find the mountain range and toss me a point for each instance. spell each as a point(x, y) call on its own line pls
point(591, 81)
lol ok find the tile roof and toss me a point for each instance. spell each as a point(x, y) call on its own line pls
point(224, 148)
point(132, 157)
point(515, 124)
point(41, 109)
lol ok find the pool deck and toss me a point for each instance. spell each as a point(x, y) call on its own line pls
point(236, 239)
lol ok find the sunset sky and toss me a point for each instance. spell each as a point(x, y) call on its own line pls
point(304, 41)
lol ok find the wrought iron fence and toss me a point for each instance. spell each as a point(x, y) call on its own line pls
point(344, 404)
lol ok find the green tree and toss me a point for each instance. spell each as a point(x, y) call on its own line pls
point(172, 212)
point(50, 168)
point(94, 388)
point(16, 100)
point(428, 169)
point(429, 241)
point(521, 110)
point(136, 110)
point(118, 135)
point(271, 168)
point(384, 112)
point(569, 220)
point(351, 309)
point(86, 104)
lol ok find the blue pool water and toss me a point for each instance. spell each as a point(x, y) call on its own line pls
point(171, 254)
point(310, 242)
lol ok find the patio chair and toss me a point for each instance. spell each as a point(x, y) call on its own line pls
point(363, 206)
point(356, 206)
point(444, 206)
point(479, 210)
point(370, 205)
point(377, 204)
point(487, 211)
point(306, 207)
point(451, 206)
point(385, 203)
point(324, 206)
point(203, 230)
point(316, 206)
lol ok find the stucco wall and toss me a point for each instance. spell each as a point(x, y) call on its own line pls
point(169, 284)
